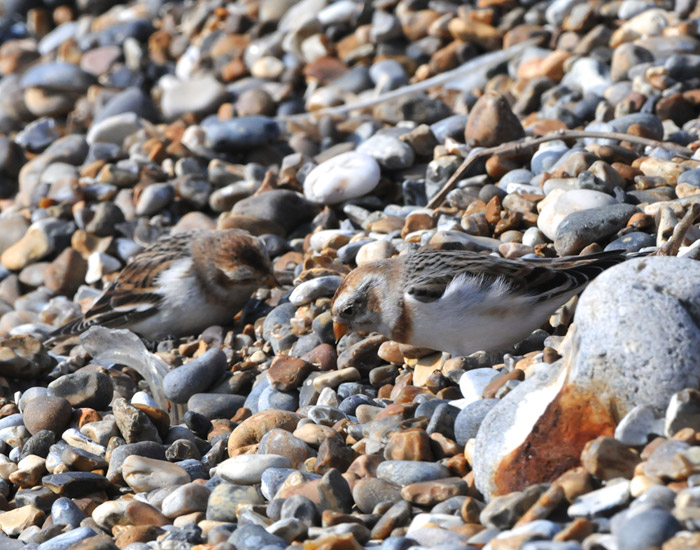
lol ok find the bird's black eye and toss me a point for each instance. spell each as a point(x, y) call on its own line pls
point(349, 311)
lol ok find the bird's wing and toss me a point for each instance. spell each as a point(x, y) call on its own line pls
point(428, 272)
point(135, 294)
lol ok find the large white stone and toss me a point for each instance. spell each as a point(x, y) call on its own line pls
point(341, 178)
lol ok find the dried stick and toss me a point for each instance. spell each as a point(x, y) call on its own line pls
point(514, 147)
point(673, 244)
point(471, 66)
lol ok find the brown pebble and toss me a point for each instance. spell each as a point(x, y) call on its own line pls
point(287, 373)
point(126, 535)
point(491, 122)
point(430, 493)
point(47, 413)
point(606, 458)
point(413, 444)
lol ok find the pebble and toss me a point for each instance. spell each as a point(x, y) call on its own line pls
point(342, 177)
point(194, 377)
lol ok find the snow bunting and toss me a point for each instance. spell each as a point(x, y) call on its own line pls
point(459, 301)
point(180, 285)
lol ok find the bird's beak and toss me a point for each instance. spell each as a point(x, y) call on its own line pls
point(339, 330)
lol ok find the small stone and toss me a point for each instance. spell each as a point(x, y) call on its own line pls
point(147, 474)
point(84, 388)
point(14, 522)
point(606, 458)
point(248, 469)
point(193, 377)
point(369, 492)
point(491, 122)
point(388, 151)
point(47, 413)
point(342, 177)
point(188, 498)
point(601, 500)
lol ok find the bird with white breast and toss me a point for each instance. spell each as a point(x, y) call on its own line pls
point(180, 285)
point(460, 301)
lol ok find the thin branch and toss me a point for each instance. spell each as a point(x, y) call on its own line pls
point(518, 146)
point(673, 244)
point(470, 67)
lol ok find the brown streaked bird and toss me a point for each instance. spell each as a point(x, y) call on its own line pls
point(180, 284)
point(459, 301)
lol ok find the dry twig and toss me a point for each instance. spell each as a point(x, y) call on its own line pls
point(518, 146)
point(673, 244)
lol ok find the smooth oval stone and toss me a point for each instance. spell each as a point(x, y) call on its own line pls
point(473, 382)
point(271, 398)
point(58, 77)
point(215, 405)
point(648, 121)
point(341, 178)
point(579, 229)
point(320, 287)
point(66, 540)
point(66, 512)
point(147, 474)
point(405, 472)
point(248, 469)
point(632, 242)
point(194, 377)
point(243, 133)
point(189, 498)
point(198, 95)
point(154, 198)
point(114, 129)
point(644, 528)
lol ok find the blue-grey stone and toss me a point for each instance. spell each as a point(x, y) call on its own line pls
point(348, 252)
point(545, 157)
point(470, 418)
point(58, 77)
point(579, 229)
point(194, 468)
point(65, 511)
point(683, 66)
point(632, 242)
point(350, 403)
point(195, 376)
point(451, 127)
point(215, 405)
point(131, 100)
point(644, 528)
point(398, 543)
point(519, 175)
point(242, 133)
point(648, 121)
point(388, 74)
point(11, 420)
point(404, 472)
point(427, 408)
point(254, 537)
point(346, 389)
point(270, 398)
point(691, 177)
point(66, 540)
point(253, 397)
point(443, 420)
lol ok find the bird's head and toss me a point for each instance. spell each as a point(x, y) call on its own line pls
point(361, 301)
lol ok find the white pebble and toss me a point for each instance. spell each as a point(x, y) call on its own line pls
point(559, 204)
point(341, 178)
point(472, 383)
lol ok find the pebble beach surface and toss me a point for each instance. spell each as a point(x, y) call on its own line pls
point(120, 123)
